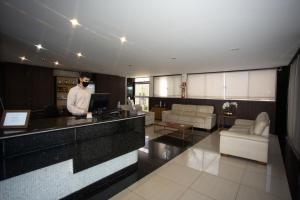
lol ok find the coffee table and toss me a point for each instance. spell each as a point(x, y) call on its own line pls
point(181, 128)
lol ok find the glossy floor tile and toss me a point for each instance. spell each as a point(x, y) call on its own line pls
point(160, 188)
point(190, 194)
point(216, 187)
point(158, 151)
point(178, 173)
point(202, 173)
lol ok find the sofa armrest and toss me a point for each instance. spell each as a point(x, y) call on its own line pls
point(257, 138)
point(244, 122)
point(213, 118)
point(165, 114)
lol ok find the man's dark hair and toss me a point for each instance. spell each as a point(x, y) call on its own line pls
point(85, 74)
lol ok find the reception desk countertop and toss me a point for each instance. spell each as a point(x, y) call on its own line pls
point(61, 123)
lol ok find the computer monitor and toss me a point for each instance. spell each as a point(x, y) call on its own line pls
point(99, 103)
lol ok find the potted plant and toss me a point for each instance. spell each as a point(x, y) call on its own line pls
point(229, 108)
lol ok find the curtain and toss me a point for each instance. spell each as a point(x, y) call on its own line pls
point(293, 118)
point(248, 85)
point(167, 86)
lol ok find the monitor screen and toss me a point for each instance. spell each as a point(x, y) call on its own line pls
point(98, 103)
point(15, 119)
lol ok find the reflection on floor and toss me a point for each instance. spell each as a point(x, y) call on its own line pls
point(159, 149)
point(201, 173)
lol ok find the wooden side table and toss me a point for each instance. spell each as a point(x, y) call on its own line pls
point(222, 118)
point(158, 111)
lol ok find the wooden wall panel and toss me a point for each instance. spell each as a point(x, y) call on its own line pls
point(27, 87)
point(115, 85)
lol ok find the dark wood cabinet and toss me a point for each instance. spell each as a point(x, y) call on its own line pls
point(32, 87)
point(158, 112)
point(27, 87)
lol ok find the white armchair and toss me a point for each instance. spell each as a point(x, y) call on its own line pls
point(247, 138)
point(149, 116)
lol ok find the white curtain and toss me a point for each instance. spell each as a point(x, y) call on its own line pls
point(236, 85)
point(293, 119)
point(196, 85)
point(262, 84)
point(167, 86)
point(251, 85)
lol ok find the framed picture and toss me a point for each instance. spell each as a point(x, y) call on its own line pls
point(15, 119)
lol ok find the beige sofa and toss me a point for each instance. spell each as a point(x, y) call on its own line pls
point(200, 116)
point(247, 138)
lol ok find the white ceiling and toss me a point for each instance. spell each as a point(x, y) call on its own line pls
point(199, 34)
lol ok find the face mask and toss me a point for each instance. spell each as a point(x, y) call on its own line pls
point(85, 84)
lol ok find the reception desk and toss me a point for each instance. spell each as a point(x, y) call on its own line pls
point(56, 157)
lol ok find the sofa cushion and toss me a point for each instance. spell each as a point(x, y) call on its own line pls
point(190, 108)
point(177, 112)
point(245, 136)
point(239, 130)
point(263, 116)
point(189, 113)
point(205, 109)
point(259, 127)
point(185, 119)
point(251, 129)
point(203, 115)
point(172, 117)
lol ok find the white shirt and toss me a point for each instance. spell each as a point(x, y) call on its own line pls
point(78, 100)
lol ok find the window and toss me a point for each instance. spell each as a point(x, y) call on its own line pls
point(262, 84)
point(196, 85)
point(167, 86)
point(142, 92)
point(250, 85)
point(236, 85)
point(206, 85)
point(215, 85)
point(141, 89)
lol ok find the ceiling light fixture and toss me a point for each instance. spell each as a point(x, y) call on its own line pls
point(56, 63)
point(23, 58)
point(39, 47)
point(79, 54)
point(123, 40)
point(74, 22)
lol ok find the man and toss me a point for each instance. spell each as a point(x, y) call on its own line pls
point(79, 96)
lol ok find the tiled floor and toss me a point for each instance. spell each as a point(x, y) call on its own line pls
point(200, 173)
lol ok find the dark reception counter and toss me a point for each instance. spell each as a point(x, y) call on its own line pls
point(108, 143)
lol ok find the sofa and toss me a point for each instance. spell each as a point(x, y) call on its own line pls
point(200, 116)
point(149, 116)
point(247, 138)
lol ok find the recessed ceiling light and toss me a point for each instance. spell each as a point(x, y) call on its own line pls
point(123, 40)
point(39, 47)
point(79, 54)
point(23, 58)
point(56, 63)
point(75, 22)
